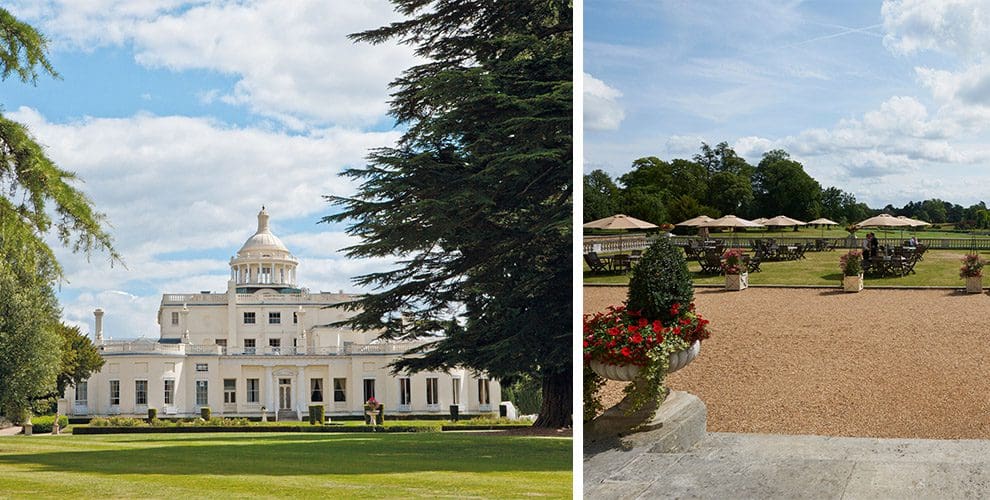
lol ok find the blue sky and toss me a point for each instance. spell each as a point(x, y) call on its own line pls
point(183, 118)
point(887, 100)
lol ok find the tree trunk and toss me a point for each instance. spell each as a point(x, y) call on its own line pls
point(556, 410)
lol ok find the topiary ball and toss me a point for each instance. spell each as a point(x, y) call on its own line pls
point(660, 280)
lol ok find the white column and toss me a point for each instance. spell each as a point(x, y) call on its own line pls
point(269, 397)
point(301, 391)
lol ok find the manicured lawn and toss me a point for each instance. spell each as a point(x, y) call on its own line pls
point(940, 268)
point(285, 465)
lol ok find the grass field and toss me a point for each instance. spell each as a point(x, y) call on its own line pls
point(285, 465)
point(940, 268)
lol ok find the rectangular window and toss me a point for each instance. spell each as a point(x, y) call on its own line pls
point(175, 318)
point(456, 383)
point(316, 390)
point(405, 391)
point(432, 392)
point(82, 392)
point(229, 390)
point(252, 390)
point(339, 390)
point(169, 391)
point(221, 342)
point(202, 367)
point(295, 318)
point(483, 396)
point(274, 318)
point(249, 318)
point(276, 345)
point(249, 346)
point(202, 393)
point(140, 392)
point(369, 388)
point(114, 392)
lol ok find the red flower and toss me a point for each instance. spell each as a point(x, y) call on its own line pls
point(636, 339)
point(643, 322)
point(614, 331)
point(626, 352)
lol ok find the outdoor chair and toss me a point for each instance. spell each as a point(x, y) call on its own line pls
point(621, 263)
point(753, 262)
point(595, 263)
point(711, 262)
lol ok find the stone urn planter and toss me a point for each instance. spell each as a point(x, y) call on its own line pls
point(852, 283)
point(974, 284)
point(736, 282)
point(628, 373)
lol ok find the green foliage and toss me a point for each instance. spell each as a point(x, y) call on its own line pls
point(660, 280)
point(204, 413)
point(601, 196)
point(851, 263)
point(29, 344)
point(152, 414)
point(593, 383)
point(45, 423)
point(476, 197)
point(117, 422)
point(80, 357)
point(317, 414)
point(781, 186)
point(38, 204)
point(525, 393)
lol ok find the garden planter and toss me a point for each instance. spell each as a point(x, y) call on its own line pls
point(852, 283)
point(974, 284)
point(736, 281)
point(627, 373)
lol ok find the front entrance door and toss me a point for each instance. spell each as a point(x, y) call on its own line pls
point(285, 394)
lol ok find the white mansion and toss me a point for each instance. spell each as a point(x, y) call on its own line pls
point(265, 344)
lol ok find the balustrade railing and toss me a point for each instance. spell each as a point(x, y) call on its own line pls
point(144, 347)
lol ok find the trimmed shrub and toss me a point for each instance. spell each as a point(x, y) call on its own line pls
point(152, 414)
point(660, 280)
point(316, 414)
point(44, 423)
point(205, 413)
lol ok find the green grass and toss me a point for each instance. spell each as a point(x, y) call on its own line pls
point(285, 465)
point(940, 268)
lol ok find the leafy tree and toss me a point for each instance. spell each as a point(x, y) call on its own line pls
point(38, 203)
point(644, 204)
point(685, 207)
point(781, 187)
point(476, 196)
point(601, 196)
point(79, 360)
point(730, 189)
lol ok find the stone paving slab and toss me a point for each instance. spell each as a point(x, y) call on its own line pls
point(726, 465)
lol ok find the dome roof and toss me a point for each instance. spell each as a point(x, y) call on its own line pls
point(263, 239)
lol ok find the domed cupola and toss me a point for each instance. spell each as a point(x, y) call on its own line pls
point(263, 261)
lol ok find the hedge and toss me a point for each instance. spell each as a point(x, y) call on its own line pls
point(43, 424)
point(180, 430)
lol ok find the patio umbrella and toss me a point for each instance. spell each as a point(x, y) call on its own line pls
point(761, 220)
point(731, 222)
point(695, 221)
point(622, 222)
point(914, 222)
point(783, 221)
point(619, 221)
point(887, 220)
point(824, 222)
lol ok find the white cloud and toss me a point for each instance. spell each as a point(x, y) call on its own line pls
point(959, 27)
point(293, 60)
point(602, 110)
point(174, 187)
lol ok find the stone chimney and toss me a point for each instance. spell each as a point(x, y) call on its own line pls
point(98, 313)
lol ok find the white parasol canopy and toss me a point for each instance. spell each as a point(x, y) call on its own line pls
point(783, 220)
point(824, 221)
point(887, 220)
point(695, 221)
point(619, 221)
point(729, 221)
point(914, 222)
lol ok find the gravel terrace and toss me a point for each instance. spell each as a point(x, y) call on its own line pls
point(879, 363)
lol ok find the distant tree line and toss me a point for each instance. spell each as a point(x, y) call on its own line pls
point(717, 182)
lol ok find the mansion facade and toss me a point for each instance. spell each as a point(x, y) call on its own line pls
point(265, 345)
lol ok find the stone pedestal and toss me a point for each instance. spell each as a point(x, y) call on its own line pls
point(974, 284)
point(674, 425)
